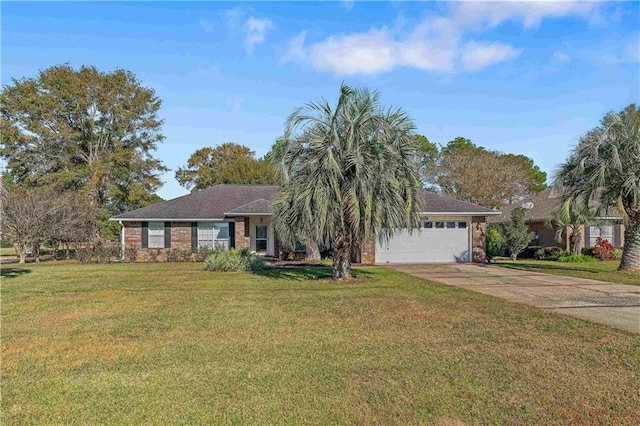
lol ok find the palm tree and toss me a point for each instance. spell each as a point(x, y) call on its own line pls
point(348, 174)
point(569, 217)
point(605, 166)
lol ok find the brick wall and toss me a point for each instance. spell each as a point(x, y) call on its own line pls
point(368, 252)
point(242, 233)
point(478, 240)
point(180, 240)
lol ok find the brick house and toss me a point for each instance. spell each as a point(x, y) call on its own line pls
point(538, 210)
point(225, 216)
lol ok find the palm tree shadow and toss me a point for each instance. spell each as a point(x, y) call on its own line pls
point(304, 273)
point(13, 272)
point(542, 268)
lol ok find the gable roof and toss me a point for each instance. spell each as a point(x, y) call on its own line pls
point(210, 203)
point(260, 206)
point(541, 206)
point(220, 201)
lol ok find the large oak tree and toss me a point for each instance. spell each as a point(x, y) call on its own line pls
point(228, 163)
point(489, 178)
point(83, 129)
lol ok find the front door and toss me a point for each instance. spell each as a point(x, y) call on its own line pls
point(261, 238)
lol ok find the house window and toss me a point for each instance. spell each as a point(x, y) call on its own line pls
point(428, 225)
point(213, 235)
point(440, 225)
point(156, 234)
point(462, 225)
point(451, 225)
point(604, 231)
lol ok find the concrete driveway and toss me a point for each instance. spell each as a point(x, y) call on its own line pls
point(616, 305)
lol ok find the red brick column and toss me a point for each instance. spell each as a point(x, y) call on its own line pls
point(242, 233)
point(368, 252)
point(478, 240)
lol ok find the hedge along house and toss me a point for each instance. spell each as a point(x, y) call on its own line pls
point(538, 211)
point(239, 216)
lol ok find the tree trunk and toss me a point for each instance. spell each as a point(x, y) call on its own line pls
point(313, 252)
point(631, 251)
point(23, 255)
point(67, 252)
point(341, 267)
point(574, 243)
point(514, 257)
point(36, 252)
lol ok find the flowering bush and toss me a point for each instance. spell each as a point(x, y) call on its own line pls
point(604, 250)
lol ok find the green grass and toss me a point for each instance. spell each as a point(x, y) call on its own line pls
point(8, 251)
point(172, 343)
point(601, 271)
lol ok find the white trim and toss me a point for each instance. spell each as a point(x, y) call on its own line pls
point(122, 245)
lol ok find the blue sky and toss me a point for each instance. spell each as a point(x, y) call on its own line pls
point(524, 78)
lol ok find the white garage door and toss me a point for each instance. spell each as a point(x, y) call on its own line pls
point(437, 241)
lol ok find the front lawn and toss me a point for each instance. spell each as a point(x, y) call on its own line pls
point(172, 343)
point(601, 271)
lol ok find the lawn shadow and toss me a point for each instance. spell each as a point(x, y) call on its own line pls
point(542, 268)
point(13, 272)
point(305, 273)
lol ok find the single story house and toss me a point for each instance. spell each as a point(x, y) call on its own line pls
point(538, 210)
point(239, 216)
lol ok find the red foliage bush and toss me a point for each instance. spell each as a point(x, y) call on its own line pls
point(604, 250)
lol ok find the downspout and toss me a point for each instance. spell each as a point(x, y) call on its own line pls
point(121, 241)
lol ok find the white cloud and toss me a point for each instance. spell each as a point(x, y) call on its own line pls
point(295, 51)
point(256, 31)
point(234, 104)
point(486, 15)
point(476, 56)
point(561, 57)
point(443, 43)
point(632, 52)
point(207, 25)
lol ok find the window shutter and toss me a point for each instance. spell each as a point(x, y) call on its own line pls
point(194, 235)
point(246, 227)
point(587, 236)
point(145, 235)
point(232, 234)
point(167, 235)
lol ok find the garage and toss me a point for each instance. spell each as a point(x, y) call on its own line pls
point(438, 240)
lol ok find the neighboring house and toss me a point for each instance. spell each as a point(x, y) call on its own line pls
point(538, 210)
point(239, 216)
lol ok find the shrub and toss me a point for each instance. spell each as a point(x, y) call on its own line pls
point(618, 254)
point(515, 233)
point(202, 253)
point(177, 255)
point(588, 251)
point(153, 255)
point(604, 250)
point(549, 253)
point(83, 256)
point(234, 260)
point(495, 243)
point(131, 254)
point(106, 254)
point(576, 258)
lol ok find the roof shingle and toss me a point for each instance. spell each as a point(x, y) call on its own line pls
point(219, 201)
